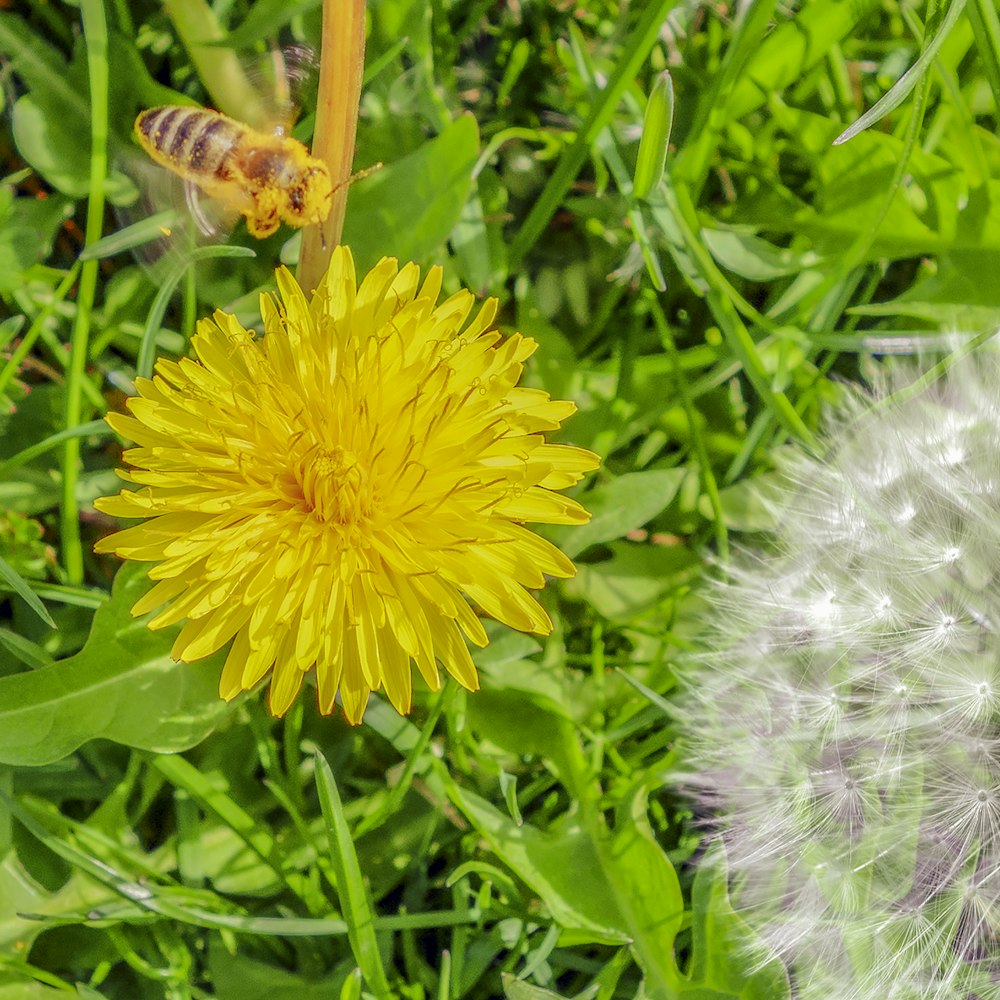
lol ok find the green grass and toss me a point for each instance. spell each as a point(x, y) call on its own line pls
point(157, 843)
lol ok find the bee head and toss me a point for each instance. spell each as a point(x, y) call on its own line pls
point(309, 199)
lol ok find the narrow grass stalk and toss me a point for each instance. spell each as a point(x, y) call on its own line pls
point(95, 31)
point(939, 26)
point(6, 824)
point(854, 255)
point(147, 346)
point(350, 885)
point(342, 63)
point(714, 111)
point(92, 427)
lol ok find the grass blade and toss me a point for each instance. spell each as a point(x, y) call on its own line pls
point(184, 775)
point(147, 348)
point(93, 427)
point(19, 585)
point(986, 27)
point(902, 87)
point(350, 885)
point(95, 30)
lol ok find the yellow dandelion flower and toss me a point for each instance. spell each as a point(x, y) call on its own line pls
point(333, 495)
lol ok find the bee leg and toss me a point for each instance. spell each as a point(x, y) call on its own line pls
point(262, 226)
point(263, 219)
point(192, 195)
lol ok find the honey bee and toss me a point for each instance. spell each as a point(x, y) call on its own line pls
point(267, 177)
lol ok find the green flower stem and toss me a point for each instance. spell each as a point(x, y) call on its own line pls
point(341, 70)
point(219, 68)
point(95, 29)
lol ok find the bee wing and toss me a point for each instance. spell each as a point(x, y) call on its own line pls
point(167, 218)
point(282, 78)
point(213, 218)
point(171, 215)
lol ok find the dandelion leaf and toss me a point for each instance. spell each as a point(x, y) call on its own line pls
point(728, 959)
point(122, 686)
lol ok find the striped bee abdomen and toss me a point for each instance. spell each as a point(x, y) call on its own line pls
point(193, 140)
point(266, 177)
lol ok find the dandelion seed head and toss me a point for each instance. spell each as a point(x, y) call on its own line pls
point(843, 730)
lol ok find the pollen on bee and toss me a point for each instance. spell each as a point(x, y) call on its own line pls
point(269, 178)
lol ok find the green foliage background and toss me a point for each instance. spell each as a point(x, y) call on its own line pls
point(528, 838)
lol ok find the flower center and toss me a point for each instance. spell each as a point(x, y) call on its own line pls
point(336, 485)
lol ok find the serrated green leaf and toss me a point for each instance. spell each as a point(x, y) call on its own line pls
point(552, 863)
point(19, 894)
point(646, 889)
point(633, 579)
point(728, 959)
point(122, 686)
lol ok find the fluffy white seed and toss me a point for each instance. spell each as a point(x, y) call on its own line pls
point(843, 731)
